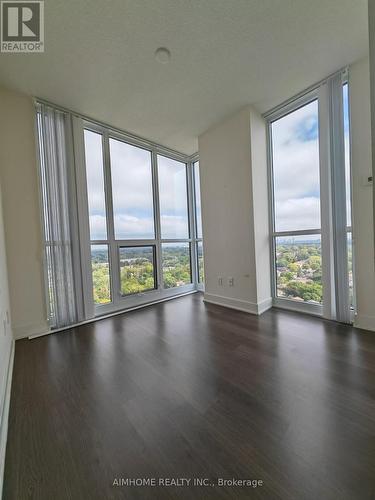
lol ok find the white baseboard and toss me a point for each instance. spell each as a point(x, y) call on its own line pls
point(364, 322)
point(4, 417)
point(238, 304)
point(25, 331)
point(264, 305)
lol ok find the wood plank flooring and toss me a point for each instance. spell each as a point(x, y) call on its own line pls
point(187, 390)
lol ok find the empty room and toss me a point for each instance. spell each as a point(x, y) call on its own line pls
point(187, 249)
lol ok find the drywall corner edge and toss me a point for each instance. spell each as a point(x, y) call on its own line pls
point(4, 417)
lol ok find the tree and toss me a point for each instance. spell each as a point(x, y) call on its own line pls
point(293, 267)
point(307, 291)
point(315, 262)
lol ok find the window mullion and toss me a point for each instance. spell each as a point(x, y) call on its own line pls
point(192, 214)
point(83, 216)
point(299, 232)
point(114, 265)
point(338, 183)
point(271, 214)
point(326, 204)
point(156, 201)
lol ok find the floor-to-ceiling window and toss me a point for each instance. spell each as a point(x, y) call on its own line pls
point(124, 215)
point(296, 188)
point(310, 201)
point(97, 217)
point(143, 209)
point(174, 223)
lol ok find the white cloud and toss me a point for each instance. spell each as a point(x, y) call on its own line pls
point(298, 213)
point(172, 187)
point(286, 130)
point(98, 227)
point(296, 172)
point(132, 191)
point(131, 178)
point(128, 227)
point(174, 226)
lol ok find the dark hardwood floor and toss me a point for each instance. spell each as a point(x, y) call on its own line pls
point(190, 390)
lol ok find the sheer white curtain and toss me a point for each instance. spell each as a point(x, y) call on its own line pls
point(57, 197)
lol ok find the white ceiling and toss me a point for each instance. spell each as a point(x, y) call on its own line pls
point(99, 58)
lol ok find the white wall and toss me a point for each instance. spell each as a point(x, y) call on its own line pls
point(6, 336)
point(371, 15)
point(229, 212)
point(363, 221)
point(260, 206)
point(19, 180)
point(6, 343)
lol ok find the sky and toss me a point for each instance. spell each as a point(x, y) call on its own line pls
point(296, 170)
point(95, 185)
point(295, 145)
point(132, 192)
point(173, 198)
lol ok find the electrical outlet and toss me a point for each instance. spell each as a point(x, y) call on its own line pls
point(230, 281)
point(367, 180)
point(220, 281)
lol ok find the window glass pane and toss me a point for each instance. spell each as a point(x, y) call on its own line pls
point(200, 262)
point(100, 274)
point(176, 264)
point(295, 151)
point(131, 191)
point(173, 198)
point(347, 154)
point(95, 185)
point(198, 199)
point(299, 268)
point(137, 269)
